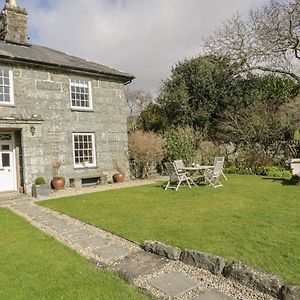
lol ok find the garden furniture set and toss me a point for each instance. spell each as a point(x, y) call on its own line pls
point(179, 173)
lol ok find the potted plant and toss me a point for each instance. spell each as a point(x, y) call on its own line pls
point(58, 182)
point(120, 175)
point(40, 188)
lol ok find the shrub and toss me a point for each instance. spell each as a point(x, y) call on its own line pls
point(271, 171)
point(181, 144)
point(207, 151)
point(146, 150)
point(40, 181)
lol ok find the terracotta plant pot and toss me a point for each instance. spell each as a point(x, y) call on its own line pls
point(118, 177)
point(58, 183)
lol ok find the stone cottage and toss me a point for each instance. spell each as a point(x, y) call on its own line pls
point(56, 110)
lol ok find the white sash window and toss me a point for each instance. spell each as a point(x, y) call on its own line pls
point(84, 151)
point(80, 93)
point(6, 87)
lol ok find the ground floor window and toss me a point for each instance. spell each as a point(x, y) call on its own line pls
point(84, 151)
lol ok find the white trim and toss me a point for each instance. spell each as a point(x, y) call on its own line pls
point(89, 85)
point(84, 165)
point(11, 88)
point(14, 167)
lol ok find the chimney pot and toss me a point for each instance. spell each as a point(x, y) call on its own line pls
point(11, 2)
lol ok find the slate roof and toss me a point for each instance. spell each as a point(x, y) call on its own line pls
point(43, 56)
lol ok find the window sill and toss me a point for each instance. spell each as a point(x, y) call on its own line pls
point(85, 168)
point(7, 104)
point(82, 109)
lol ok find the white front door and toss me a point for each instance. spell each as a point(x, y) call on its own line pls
point(7, 167)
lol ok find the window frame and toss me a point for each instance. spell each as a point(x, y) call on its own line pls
point(94, 156)
point(89, 85)
point(11, 88)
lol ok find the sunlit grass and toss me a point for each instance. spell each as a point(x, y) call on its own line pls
point(35, 266)
point(251, 219)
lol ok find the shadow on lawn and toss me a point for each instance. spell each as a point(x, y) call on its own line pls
point(283, 181)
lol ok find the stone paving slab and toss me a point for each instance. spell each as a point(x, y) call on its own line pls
point(93, 242)
point(174, 284)
point(111, 252)
point(139, 264)
point(30, 211)
point(213, 295)
point(75, 234)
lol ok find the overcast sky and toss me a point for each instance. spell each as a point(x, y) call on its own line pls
point(142, 37)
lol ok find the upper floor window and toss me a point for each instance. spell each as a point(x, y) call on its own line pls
point(6, 87)
point(81, 95)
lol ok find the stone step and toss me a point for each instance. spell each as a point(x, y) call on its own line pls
point(213, 295)
point(139, 264)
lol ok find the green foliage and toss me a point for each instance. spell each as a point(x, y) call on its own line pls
point(198, 90)
point(40, 181)
point(271, 171)
point(180, 143)
point(152, 119)
point(201, 92)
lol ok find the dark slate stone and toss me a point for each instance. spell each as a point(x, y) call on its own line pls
point(290, 292)
point(139, 264)
point(48, 57)
point(162, 249)
point(264, 282)
point(214, 264)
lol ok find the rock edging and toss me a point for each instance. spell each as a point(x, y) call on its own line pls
point(262, 281)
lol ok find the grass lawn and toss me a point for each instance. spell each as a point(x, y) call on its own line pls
point(251, 219)
point(35, 266)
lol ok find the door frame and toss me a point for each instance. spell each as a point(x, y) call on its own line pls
point(12, 142)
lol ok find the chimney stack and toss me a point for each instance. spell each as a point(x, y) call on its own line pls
point(13, 24)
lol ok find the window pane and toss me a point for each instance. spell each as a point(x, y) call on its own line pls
point(5, 73)
point(4, 86)
point(6, 98)
point(80, 92)
point(5, 160)
point(85, 155)
point(5, 147)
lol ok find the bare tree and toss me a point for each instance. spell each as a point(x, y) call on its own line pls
point(137, 100)
point(268, 41)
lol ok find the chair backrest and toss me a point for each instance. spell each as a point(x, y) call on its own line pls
point(171, 170)
point(179, 165)
point(218, 168)
point(219, 158)
point(295, 166)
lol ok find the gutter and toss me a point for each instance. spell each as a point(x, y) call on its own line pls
point(77, 70)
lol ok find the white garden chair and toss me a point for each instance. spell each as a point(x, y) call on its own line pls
point(180, 166)
point(221, 159)
point(295, 166)
point(177, 176)
point(212, 176)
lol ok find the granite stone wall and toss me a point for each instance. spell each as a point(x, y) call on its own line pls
point(43, 114)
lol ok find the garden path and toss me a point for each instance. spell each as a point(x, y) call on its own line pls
point(161, 277)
